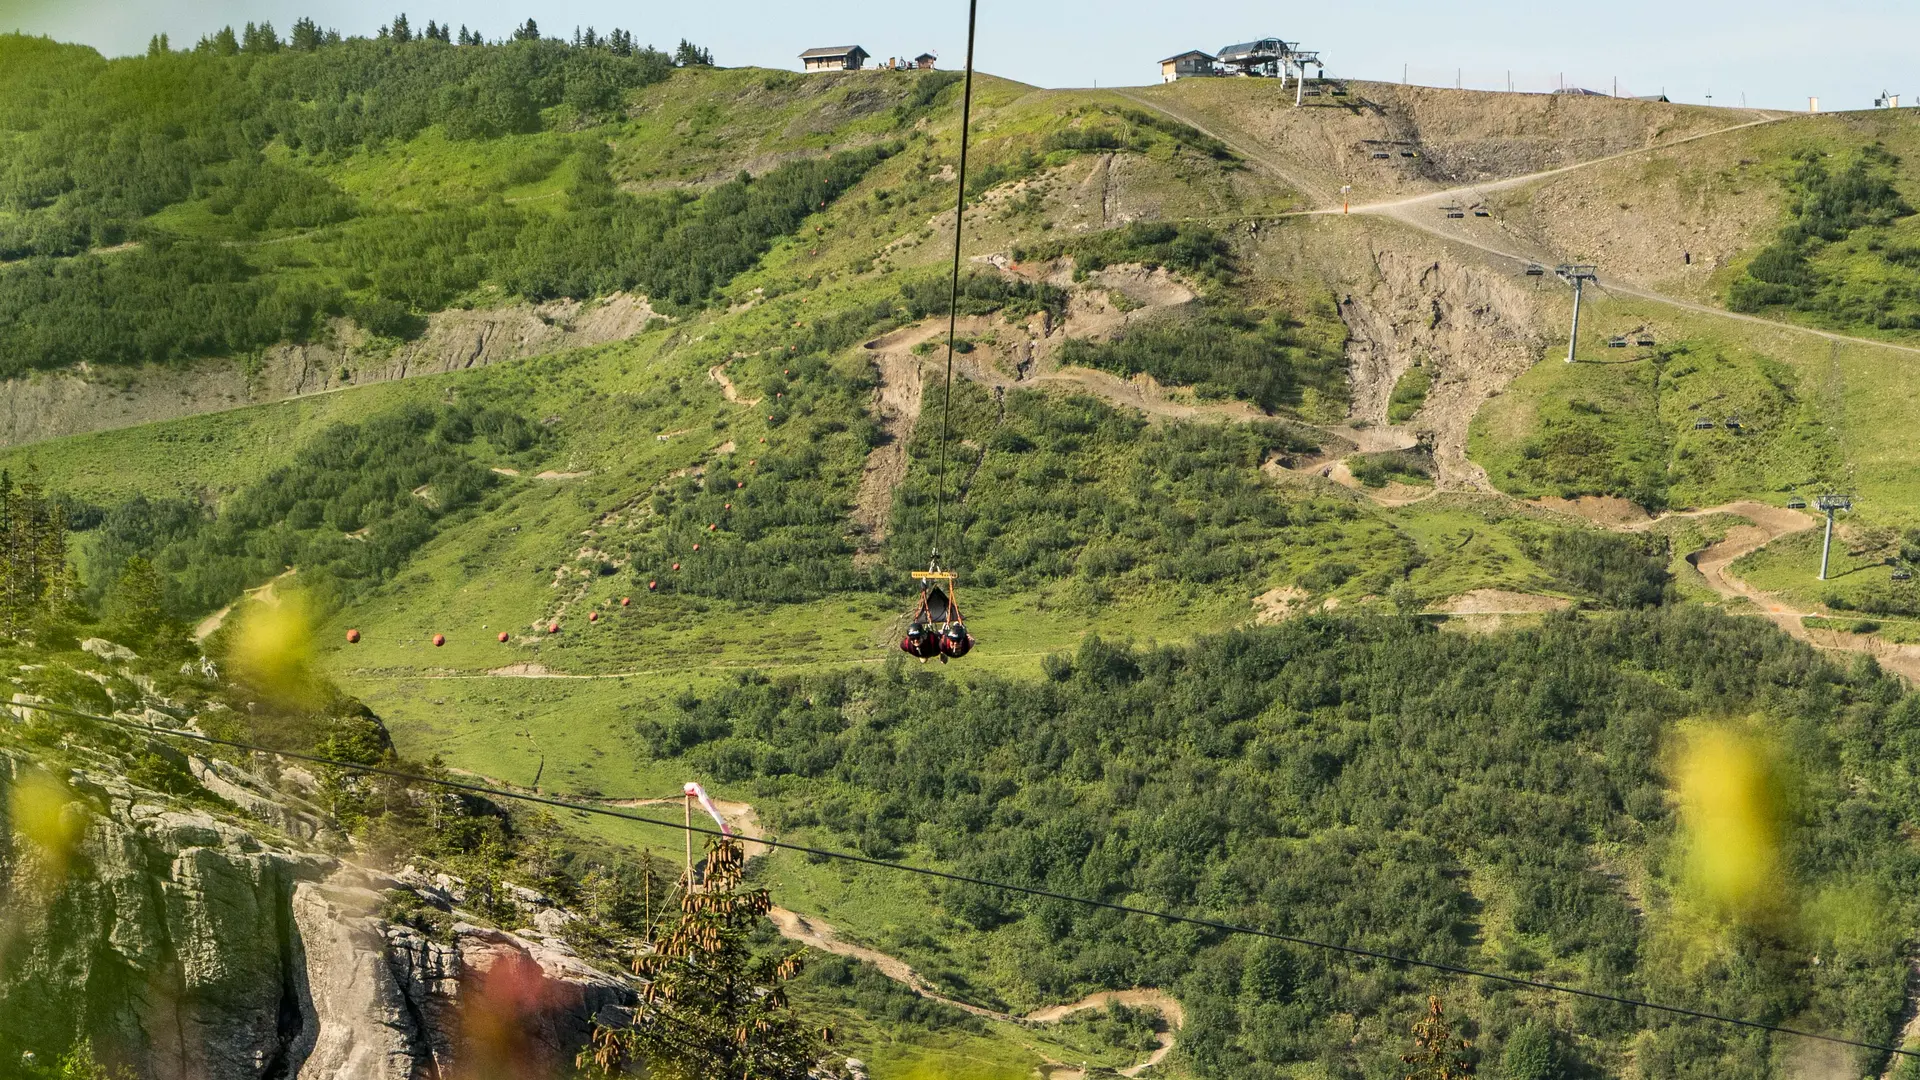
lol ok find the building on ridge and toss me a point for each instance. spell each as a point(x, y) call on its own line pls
point(1192, 64)
point(834, 58)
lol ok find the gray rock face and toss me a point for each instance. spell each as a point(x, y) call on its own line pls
point(189, 948)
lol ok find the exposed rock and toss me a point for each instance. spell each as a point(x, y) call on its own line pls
point(108, 651)
point(47, 405)
point(188, 947)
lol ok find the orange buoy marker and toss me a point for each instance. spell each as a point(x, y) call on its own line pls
point(593, 616)
point(710, 528)
point(652, 585)
point(738, 484)
point(353, 637)
point(676, 566)
point(503, 636)
point(439, 640)
point(729, 506)
point(625, 600)
point(696, 547)
point(553, 628)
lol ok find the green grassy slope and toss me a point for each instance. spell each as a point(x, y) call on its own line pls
point(1081, 518)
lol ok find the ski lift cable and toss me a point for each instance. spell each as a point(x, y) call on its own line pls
point(1221, 926)
point(953, 285)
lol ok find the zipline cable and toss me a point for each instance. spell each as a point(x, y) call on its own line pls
point(953, 286)
point(967, 879)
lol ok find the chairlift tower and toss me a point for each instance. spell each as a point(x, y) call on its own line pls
point(1577, 274)
point(1298, 60)
point(1830, 504)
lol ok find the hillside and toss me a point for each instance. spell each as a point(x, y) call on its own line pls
point(1313, 592)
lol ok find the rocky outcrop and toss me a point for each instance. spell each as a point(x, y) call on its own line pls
point(48, 405)
point(1473, 328)
point(187, 946)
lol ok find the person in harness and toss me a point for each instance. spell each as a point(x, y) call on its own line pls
point(936, 628)
point(921, 641)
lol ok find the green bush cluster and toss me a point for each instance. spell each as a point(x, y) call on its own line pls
point(1372, 783)
point(1043, 489)
point(1830, 207)
point(171, 300)
point(1183, 246)
point(982, 294)
point(95, 147)
point(780, 510)
point(1620, 570)
point(1221, 350)
point(348, 511)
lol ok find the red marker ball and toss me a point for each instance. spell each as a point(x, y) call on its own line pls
point(439, 640)
point(676, 566)
point(738, 484)
point(593, 616)
point(625, 600)
point(729, 506)
point(503, 635)
point(652, 585)
point(553, 628)
point(710, 528)
point(696, 547)
point(353, 637)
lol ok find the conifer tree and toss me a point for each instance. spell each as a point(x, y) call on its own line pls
point(306, 35)
point(713, 1009)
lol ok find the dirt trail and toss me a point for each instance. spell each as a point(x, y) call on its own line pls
point(265, 594)
point(1417, 212)
point(896, 405)
point(1767, 523)
point(718, 373)
point(816, 933)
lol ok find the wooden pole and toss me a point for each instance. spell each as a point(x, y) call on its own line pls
point(689, 805)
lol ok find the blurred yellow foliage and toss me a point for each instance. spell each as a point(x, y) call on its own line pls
point(44, 812)
point(272, 649)
point(1732, 805)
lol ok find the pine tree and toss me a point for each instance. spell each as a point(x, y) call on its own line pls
point(529, 32)
point(465, 37)
point(714, 1010)
point(400, 31)
point(157, 45)
point(306, 35)
point(691, 55)
point(136, 612)
point(222, 43)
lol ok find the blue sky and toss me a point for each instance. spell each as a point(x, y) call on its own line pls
point(1774, 52)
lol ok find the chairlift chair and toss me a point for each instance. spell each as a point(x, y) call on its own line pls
point(1481, 211)
point(1796, 503)
point(1616, 342)
point(1409, 153)
point(1644, 340)
point(1381, 155)
point(1704, 424)
point(1536, 270)
point(1454, 211)
point(1734, 424)
point(1901, 573)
